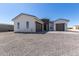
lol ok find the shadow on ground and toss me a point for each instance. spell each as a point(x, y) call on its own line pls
point(32, 32)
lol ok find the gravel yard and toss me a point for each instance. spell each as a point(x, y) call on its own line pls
point(48, 44)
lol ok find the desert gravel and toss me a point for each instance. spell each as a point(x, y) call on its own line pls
point(46, 44)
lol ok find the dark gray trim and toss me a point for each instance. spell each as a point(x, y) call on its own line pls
point(62, 19)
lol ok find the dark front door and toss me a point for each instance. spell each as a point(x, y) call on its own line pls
point(60, 27)
point(38, 27)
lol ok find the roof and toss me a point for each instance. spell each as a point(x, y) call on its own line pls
point(51, 21)
point(62, 19)
point(37, 19)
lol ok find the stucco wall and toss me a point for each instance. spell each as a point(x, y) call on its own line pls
point(22, 20)
point(51, 26)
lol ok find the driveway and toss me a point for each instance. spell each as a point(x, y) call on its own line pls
point(46, 44)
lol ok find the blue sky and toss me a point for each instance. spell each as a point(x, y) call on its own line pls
point(52, 11)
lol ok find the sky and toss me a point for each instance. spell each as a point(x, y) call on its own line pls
point(52, 11)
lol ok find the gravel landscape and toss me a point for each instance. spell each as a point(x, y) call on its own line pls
point(42, 44)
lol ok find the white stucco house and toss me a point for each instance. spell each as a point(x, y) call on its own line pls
point(29, 23)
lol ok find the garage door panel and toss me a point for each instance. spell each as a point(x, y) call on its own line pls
point(38, 27)
point(60, 27)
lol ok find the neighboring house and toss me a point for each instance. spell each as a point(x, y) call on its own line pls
point(74, 28)
point(6, 27)
point(29, 23)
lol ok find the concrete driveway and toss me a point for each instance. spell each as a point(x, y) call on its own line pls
point(46, 44)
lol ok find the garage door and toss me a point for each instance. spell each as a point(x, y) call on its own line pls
point(38, 27)
point(60, 27)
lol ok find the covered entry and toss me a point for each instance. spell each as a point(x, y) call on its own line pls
point(60, 27)
point(38, 27)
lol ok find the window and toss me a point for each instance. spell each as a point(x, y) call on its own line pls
point(27, 24)
point(51, 27)
point(18, 25)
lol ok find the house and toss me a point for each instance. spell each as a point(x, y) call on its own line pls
point(58, 25)
point(76, 27)
point(29, 23)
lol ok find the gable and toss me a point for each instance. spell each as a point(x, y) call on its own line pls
point(22, 15)
point(28, 17)
point(61, 21)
